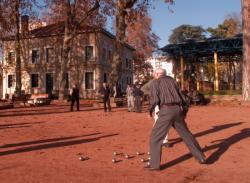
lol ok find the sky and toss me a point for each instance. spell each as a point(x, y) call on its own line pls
point(205, 13)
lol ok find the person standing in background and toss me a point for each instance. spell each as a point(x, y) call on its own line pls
point(138, 94)
point(75, 98)
point(105, 92)
point(130, 98)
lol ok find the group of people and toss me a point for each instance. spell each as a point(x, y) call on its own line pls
point(104, 91)
point(134, 98)
point(167, 106)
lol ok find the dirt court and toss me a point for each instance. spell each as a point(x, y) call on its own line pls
point(43, 144)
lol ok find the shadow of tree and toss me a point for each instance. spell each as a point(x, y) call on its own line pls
point(53, 145)
point(222, 148)
point(22, 126)
point(17, 125)
point(43, 112)
point(45, 140)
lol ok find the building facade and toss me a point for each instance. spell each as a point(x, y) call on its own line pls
point(89, 64)
point(162, 62)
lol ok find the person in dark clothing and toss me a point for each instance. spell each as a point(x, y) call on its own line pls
point(105, 92)
point(74, 97)
point(138, 94)
point(165, 92)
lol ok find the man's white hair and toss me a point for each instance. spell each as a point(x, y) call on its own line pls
point(161, 72)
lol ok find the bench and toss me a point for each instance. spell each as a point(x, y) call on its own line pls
point(23, 98)
point(39, 99)
point(6, 106)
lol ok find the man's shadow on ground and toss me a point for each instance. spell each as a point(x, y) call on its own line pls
point(221, 147)
point(208, 131)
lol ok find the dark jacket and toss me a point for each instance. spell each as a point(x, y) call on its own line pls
point(138, 92)
point(105, 92)
point(75, 93)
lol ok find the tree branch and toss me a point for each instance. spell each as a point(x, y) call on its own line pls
point(89, 13)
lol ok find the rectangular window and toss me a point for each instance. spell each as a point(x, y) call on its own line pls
point(88, 52)
point(34, 80)
point(105, 79)
point(109, 55)
point(11, 81)
point(35, 56)
point(104, 54)
point(89, 80)
point(127, 63)
point(11, 57)
point(130, 64)
point(49, 54)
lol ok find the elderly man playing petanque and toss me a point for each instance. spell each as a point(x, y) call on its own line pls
point(166, 93)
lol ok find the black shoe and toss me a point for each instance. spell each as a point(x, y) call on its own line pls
point(167, 145)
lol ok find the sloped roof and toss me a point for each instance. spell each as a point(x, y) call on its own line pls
point(224, 46)
point(58, 29)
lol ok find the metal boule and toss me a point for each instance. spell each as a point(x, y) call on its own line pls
point(81, 158)
point(142, 160)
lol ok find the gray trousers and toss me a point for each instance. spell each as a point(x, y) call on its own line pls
point(168, 116)
point(137, 104)
point(131, 103)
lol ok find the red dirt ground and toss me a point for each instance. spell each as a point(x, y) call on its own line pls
point(43, 144)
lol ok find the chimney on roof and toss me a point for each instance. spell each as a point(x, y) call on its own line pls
point(24, 24)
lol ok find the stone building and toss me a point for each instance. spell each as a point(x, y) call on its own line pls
point(90, 60)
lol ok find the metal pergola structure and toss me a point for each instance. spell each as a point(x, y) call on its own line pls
point(211, 47)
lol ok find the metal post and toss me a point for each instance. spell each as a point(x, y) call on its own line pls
point(216, 75)
point(182, 72)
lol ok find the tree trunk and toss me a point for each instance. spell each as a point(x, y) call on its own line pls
point(18, 51)
point(230, 73)
point(121, 13)
point(246, 50)
point(234, 75)
point(70, 31)
point(64, 64)
point(120, 35)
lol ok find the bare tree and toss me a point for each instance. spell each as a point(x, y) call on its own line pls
point(11, 13)
point(123, 9)
point(18, 49)
point(70, 31)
